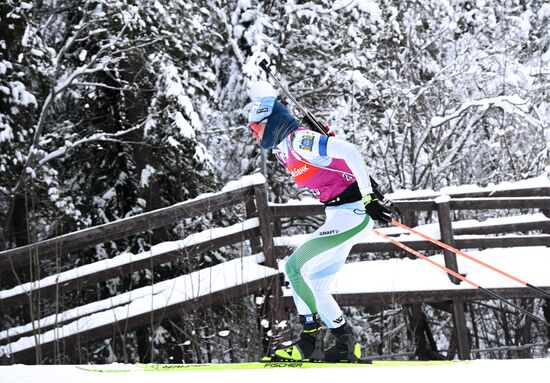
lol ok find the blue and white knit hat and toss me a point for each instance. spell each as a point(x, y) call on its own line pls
point(280, 123)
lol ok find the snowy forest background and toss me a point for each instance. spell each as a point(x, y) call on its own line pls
point(112, 108)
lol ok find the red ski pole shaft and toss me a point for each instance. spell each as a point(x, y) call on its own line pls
point(459, 252)
point(422, 256)
point(459, 276)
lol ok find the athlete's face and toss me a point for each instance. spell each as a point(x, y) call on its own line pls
point(258, 129)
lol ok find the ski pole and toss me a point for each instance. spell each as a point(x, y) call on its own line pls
point(459, 252)
point(308, 116)
point(459, 276)
point(310, 119)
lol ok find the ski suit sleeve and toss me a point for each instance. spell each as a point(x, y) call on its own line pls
point(338, 148)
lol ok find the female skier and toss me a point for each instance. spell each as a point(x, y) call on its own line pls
point(334, 171)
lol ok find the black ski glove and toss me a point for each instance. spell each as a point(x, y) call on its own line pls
point(375, 209)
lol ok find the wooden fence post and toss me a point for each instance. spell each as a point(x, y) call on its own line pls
point(546, 306)
point(461, 329)
point(252, 212)
point(546, 212)
point(266, 230)
point(445, 226)
point(274, 295)
point(426, 347)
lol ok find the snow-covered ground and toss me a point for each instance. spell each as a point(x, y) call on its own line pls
point(499, 371)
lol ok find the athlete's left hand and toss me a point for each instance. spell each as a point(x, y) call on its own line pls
point(375, 209)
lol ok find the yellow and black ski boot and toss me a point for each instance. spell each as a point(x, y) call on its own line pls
point(310, 345)
point(346, 349)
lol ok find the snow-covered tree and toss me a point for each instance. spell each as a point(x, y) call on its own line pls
point(109, 85)
point(109, 109)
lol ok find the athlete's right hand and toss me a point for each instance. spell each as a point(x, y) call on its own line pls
point(375, 209)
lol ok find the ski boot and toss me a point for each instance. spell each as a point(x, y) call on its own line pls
point(309, 347)
point(346, 349)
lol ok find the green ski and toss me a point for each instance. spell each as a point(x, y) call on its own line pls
point(151, 367)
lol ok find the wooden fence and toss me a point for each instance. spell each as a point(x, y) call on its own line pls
point(475, 201)
point(254, 199)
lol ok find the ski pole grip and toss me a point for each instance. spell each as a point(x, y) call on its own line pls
point(373, 183)
point(264, 64)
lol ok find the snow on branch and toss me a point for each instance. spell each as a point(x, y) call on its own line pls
point(510, 104)
point(229, 29)
point(101, 136)
point(97, 85)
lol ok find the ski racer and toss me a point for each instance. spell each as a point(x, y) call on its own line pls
point(334, 171)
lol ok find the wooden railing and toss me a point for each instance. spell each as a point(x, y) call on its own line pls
point(254, 201)
point(24, 256)
point(444, 218)
point(513, 199)
point(254, 198)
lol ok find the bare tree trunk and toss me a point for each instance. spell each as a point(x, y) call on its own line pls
point(475, 332)
point(143, 343)
point(176, 351)
point(546, 312)
point(20, 222)
point(506, 329)
point(426, 348)
point(136, 112)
